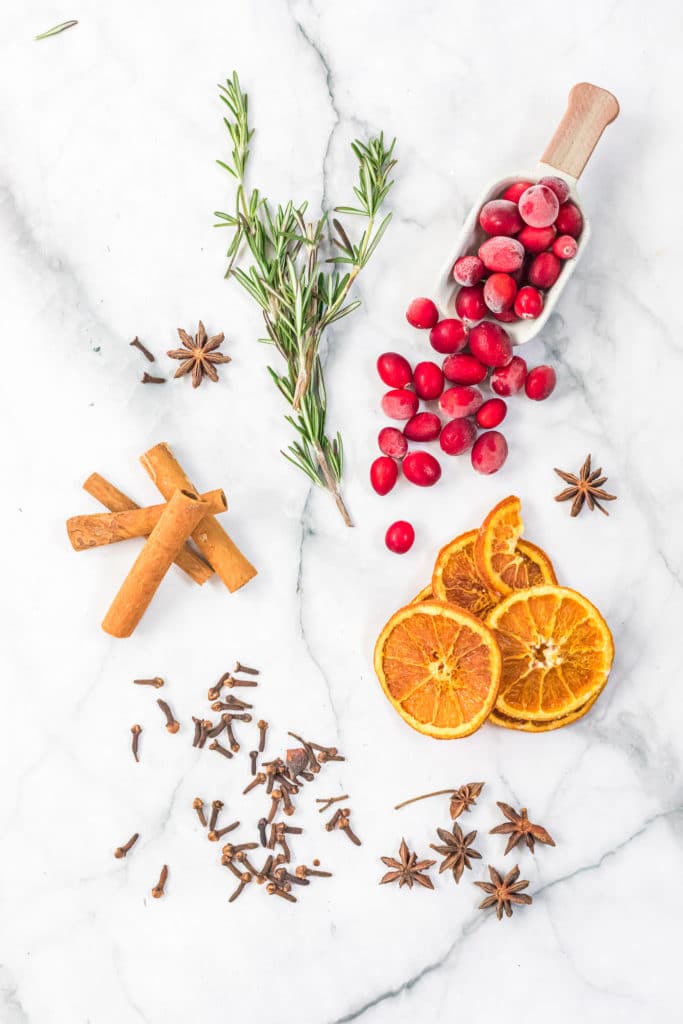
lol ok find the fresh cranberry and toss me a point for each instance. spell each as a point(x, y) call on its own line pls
point(499, 293)
point(536, 239)
point(464, 369)
point(544, 270)
point(422, 313)
point(538, 206)
point(421, 468)
point(565, 247)
point(468, 270)
point(383, 474)
point(514, 191)
point(502, 253)
point(449, 335)
point(491, 344)
point(400, 404)
point(489, 452)
point(460, 401)
point(508, 317)
point(508, 380)
point(424, 426)
point(491, 413)
point(558, 185)
point(529, 303)
point(394, 370)
point(569, 220)
point(470, 305)
point(428, 379)
point(457, 436)
point(399, 537)
point(500, 217)
point(392, 442)
point(540, 383)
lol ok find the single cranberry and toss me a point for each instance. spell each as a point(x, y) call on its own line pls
point(508, 317)
point(458, 436)
point(508, 380)
point(491, 413)
point(460, 401)
point(424, 426)
point(470, 305)
point(394, 370)
point(538, 206)
point(514, 191)
point(529, 303)
point(502, 253)
point(540, 383)
point(558, 185)
point(544, 270)
point(422, 313)
point(399, 537)
point(565, 247)
point(499, 292)
point(491, 344)
point(449, 335)
point(500, 217)
point(400, 404)
point(421, 468)
point(392, 442)
point(463, 368)
point(569, 220)
point(536, 239)
point(489, 452)
point(383, 474)
point(428, 379)
point(468, 270)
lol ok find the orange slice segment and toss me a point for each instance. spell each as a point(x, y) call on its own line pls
point(529, 725)
point(557, 652)
point(503, 561)
point(424, 595)
point(440, 668)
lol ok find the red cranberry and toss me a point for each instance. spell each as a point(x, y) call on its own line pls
point(540, 383)
point(392, 442)
point(394, 370)
point(491, 413)
point(422, 313)
point(448, 336)
point(469, 303)
point(508, 380)
point(499, 293)
point(544, 270)
point(514, 191)
point(400, 404)
point(506, 318)
point(538, 206)
point(558, 185)
point(428, 379)
point(491, 344)
point(464, 369)
point(460, 401)
point(569, 220)
point(565, 247)
point(500, 217)
point(424, 426)
point(421, 468)
point(383, 474)
point(457, 436)
point(529, 303)
point(536, 239)
point(468, 270)
point(502, 253)
point(399, 537)
point(489, 452)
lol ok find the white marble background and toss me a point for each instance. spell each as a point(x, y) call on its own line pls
point(108, 135)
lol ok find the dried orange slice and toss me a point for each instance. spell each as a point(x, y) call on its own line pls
point(439, 667)
point(502, 561)
point(529, 725)
point(557, 652)
point(424, 595)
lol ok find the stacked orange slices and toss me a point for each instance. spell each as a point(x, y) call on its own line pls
point(493, 637)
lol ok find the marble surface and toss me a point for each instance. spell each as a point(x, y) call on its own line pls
point(107, 186)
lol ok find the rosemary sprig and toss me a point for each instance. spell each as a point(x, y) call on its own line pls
point(298, 294)
point(55, 30)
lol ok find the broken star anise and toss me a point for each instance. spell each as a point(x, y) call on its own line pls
point(456, 851)
point(408, 869)
point(518, 827)
point(464, 797)
point(584, 488)
point(503, 892)
point(198, 355)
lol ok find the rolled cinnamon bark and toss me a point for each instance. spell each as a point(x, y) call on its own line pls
point(179, 518)
point(116, 501)
point(219, 550)
point(110, 527)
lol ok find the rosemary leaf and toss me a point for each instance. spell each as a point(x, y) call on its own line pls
point(55, 30)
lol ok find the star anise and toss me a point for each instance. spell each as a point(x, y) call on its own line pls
point(198, 355)
point(519, 827)
point(503, 892)
point(408, 869)
point(456, 851)
point(586, 487)
point(464, 797)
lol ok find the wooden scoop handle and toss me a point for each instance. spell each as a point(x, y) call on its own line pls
point(589, 111)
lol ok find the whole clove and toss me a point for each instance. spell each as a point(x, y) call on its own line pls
point(246, 669)
point(198, 805)
point(136, 730)
point(274, 890)
point(261, 826)
point(215, 691)
point(158, 889)
point(245, 878)
point(302, 871)
point(171, 724)
point(121, 851)
point(253, 757)
point(136, 343)
point(262, 729)
point(156, 682)
point(230, 682)
point(344, 823)
point(258, 780)
point(213, 837)
point(147, 378)
point(216, 806)
point(214, 745)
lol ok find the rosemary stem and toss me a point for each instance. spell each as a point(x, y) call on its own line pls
point(332, 486)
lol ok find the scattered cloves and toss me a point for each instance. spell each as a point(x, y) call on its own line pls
point(147, 378)
point(171, 724)
point(197, 731)
point(213, 837)
point(262, 823)
point(136, 730)
point(253, 757)
point(302, 871)
point(230, 682)
point(246, 669)
point(234, 745)
point(245, 878)
point(344, 823)
point(276, 797)
point(262, 729)
point(206, 727)
point(136, 343)
point(158, 889)
point(214, 745)
point(216, 806)
point(156, 682)
point(121, 851)
point(215, 691)
point(258, 780)
point(332, 823)
point(198, 805)
point(274, 890)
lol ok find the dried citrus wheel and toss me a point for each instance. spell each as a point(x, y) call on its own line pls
point(529, 725)
point(424, 595)
point(557, 652)
point(503, 562)
point(439, 667)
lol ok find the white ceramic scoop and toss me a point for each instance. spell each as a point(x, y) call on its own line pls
point(589, 111)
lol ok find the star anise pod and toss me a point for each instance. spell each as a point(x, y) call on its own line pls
point(408, 869)
point(586, 487)
point(464, 798)
point(198, 355)
point(456, 851)
point(503, 892)
point(519, 827)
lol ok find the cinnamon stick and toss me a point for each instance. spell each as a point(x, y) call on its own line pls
point(116, 501)
point(214, 543)
point(180, 517)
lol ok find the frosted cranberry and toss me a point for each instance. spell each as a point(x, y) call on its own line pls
point(536, 239)
point(392, 442)
point(428, 380)
point(540, 383)
point(565, 247)
point(489, 452)
point(491, 344)
point(502, 253)
point(457, 436)
point(514, 191)
point(538, 206)
point(468, 270)
point(425, 426)
point(491, 413)
point(383, 474)
point(421, 468)
point(499, 293)
point(529, 303)
point(400, 404)
point(422, 313)
point(508, 380)
point(460, 401)
point(500, 217)
point(394, 370)
point(449, 335)
point(399, 537)
point(464, 369)
point(569, 220)
point(544, 270)
point(508, 317)
point(469, 303)
point(558, 185)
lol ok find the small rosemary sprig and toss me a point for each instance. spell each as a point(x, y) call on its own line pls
point(55, 30)
point(298, 295)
